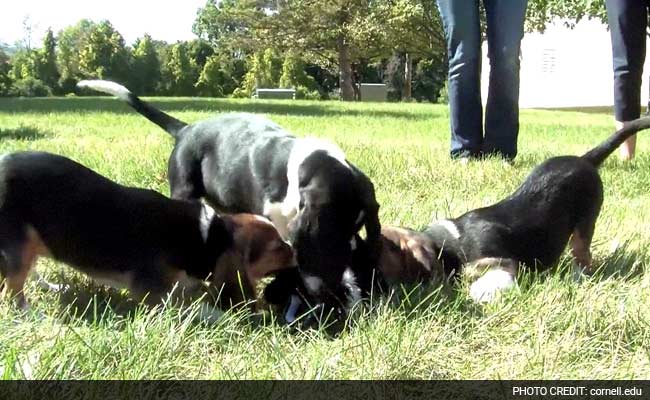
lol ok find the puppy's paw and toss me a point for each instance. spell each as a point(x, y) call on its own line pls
point(50, 287)
point(486, 288)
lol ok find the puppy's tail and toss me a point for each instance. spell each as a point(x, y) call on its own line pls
point(598, 154)
point(165, 121)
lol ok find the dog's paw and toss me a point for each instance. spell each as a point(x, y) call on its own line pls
point(486, 288)
point(51, 287)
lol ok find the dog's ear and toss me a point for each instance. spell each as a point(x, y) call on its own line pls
point(407, 257)
point(371, 217)
point(229, 279)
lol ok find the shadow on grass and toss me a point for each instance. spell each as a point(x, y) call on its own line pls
point(94, 303)
point(174, 105)
point(22, 133)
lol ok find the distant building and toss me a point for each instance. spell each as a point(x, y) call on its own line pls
point(566, 67)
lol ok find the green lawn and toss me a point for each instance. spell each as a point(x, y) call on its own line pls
point(550, 327)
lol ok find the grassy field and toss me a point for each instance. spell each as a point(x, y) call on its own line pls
point(550, 327)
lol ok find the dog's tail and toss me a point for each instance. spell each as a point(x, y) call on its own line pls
point(599, 153)
point(165, 121)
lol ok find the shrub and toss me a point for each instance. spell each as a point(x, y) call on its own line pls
point(31, 87)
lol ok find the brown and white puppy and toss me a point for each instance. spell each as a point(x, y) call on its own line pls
point(54, 207)
point(407, 257)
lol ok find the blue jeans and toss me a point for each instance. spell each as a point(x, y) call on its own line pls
point(505, 29)
point(628, 20)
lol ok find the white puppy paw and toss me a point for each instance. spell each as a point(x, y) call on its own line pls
point(486, 288)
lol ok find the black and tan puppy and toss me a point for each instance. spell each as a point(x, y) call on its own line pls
point(246, 163)
point(52, 206)
point(558, 203)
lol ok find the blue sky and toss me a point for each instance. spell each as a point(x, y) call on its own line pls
point(168, 20)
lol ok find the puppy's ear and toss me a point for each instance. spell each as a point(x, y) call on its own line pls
point(253, 247)
point(371, 218)
point(229, 280)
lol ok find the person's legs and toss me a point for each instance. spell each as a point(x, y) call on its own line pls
point(505, 29)
point(627, 24)
point(462, 30)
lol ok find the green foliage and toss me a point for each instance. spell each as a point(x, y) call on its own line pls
point(104, 55)
point(31, 87)
point(145, 66)
point(264, 71)
point(182, 71)
point(541, 12)
point(429, 79)
point(71, 41)
point(294, 76)
point(199, 51)
point(48, 71)
point(5, 79)
point(22, 65)
point(216, 79)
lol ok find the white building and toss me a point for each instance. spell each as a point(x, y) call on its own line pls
point(566, 67)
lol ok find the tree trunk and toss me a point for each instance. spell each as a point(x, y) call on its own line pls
point(408, 72)
point(345, 71)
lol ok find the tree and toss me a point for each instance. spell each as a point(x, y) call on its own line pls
point(294, 76)
point(5, 80)
point(264, 70)
point(182, 71)
point(328, 32)
point(145, 67)
point(216, 79)
point(48, 71)
point(104, 54)
point(541, 12)
point(199, 51)
point(70, 42)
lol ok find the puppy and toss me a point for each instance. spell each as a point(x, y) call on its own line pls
point(558, 203)
point(306, 187)
point(52, 206)
point(407, 257)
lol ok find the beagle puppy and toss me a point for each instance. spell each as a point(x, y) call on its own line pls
point(54, 207)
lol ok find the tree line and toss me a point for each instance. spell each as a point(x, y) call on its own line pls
point(322, 49)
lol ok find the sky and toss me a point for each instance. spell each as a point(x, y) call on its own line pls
point(168, 20)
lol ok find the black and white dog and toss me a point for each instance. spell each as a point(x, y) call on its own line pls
point(246, 163)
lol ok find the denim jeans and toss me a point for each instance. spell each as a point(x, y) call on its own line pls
point(505, 29)
point(628, 20)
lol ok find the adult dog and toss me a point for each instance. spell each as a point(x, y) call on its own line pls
point(305, 186)
point(52, 206)
point(558, 203)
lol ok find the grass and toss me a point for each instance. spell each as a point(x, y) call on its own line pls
point(551, 327)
